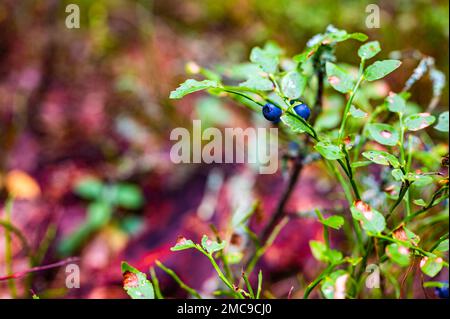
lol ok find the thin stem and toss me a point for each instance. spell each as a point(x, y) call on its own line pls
point(8, 248)
point(175, 277)
point(403, 190)
point(317, 281)
point(155, 282)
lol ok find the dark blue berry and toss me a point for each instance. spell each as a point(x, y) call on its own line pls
point(302, 110)
point(271, 112)
point(442, 292)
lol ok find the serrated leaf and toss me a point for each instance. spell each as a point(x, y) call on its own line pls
point(382, 158)
point(398, 254)
point(384, 134)
point(416, 122)
point(371, 220)
point(339, 79)
point(191, 86)
point(293, 84)
point(369, 50)
point(335, 221)
point(257, 82)
point(334, 286)
point(380, 69)
point(182, 244)
point(266, 58)
point(396, 103)
point(89, 188)
point(329, 151)
point(442, 122)
point(212, 246)
point(431, 266)
point(357, 113)
point(136, 283)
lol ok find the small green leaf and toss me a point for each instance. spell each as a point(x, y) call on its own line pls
point(396, 103)
point(89, 188)
point(191, 86)
point(419, 180)
point(442, 247)
point(266, 58)
point(442, 122)
point(129, 196)
point(212, 246)
point(357, 113)
point(182, 244)
point(382, 158)
point(136, 283)
point(360, 164)
point(431, 266)
point(369, 50)
point(419, 121)
point(339, 79)
point(380, 69)
point(329, 151)
point(397, 174)
point(384, 134)
point(99, 214)
point(372, 221)
point(321, 253)
point(295, 124)
point(420, 202)
point(257, 82)
point(398, 254)
point(335, 221)
point(293, 84)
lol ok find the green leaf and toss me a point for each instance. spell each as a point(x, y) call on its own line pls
point(321, 253)
point(442, 247)
point(136, 283)
point(329, 151)
point(369, 50)
point(431, 266)
point(382, 158)
point(339, 79)
point(257, 82)
point(398, 254)
point(191, 86)
point(99, 214)
point(384, 134)
point(334, 286)
point(293, 84)
point(442, 122)
point(266, 58)
point(295, 124)
point(416, 122)
point(419, 180)
point(129, 196)
point(397, 174)
point(357, 113)
point(360, 164)
point(212, 246)
point(183, 244)
point(420, 202)
point(372, 221)
point(89, 188)
point(380, 69)
point(396, 103)
point(335, 221)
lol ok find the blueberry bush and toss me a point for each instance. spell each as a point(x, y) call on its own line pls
point(379, 148)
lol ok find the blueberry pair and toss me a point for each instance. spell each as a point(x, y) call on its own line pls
point(273, 113)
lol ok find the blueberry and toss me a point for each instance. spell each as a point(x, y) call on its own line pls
point(271, 112)
point(302, 110)
point(442, 292)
